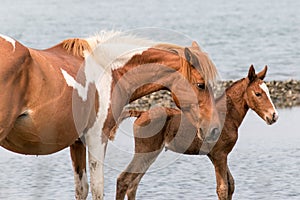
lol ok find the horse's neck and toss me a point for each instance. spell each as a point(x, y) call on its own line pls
point(146, 73)
point(235, 103)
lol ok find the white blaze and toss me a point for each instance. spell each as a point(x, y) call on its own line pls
point(264, 87)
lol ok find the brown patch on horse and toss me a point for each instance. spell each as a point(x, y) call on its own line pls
point(76, 46)
point(125, 114)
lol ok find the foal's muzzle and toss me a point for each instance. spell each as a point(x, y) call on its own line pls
point(272, 119)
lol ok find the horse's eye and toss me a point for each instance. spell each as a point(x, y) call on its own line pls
point(201, 86)
point(257, 94)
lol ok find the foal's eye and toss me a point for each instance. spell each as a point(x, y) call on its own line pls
point(257, 94)
point(201, 86)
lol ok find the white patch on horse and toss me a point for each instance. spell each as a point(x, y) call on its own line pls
point(264, 87)
point(82, 191)
point(10, 40)
point(96, 154)
point(111, 50)
point(82, 91)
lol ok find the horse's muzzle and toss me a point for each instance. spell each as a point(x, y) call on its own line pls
point(212, 136)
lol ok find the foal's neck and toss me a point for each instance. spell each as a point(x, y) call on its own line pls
point(236, 105)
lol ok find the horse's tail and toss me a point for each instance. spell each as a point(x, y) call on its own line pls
point(125, 114)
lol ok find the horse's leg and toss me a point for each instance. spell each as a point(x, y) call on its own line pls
point(230, 184)
point(96, 152)
point(78, 156)
point(220, 164)
point(132, 189)
point(129, 179)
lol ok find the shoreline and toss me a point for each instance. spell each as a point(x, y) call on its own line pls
point(284, 94)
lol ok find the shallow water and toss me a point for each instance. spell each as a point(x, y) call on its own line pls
point(265, 164)
point(266, 159)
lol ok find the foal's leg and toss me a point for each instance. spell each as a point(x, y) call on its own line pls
point(129, 179)
point(132, 189)
point(78, 156)
point(96, 152)
point(230, 184)
point(220, 164)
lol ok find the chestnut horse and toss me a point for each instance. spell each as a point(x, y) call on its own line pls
point(77, 88)
point(250, 92)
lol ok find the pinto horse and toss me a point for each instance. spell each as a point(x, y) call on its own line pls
point(248, 93)
point(76, 89)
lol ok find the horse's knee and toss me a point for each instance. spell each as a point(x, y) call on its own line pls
point(222, 191)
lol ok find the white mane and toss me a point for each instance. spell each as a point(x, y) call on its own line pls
point(117, 37)
point(112, 49)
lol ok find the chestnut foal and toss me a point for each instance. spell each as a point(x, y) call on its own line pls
point(178, 135)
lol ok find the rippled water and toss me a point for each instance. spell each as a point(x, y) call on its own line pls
point(266, 159)
point(265, 164)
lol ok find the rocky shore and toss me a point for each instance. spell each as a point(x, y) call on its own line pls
point(285, 94)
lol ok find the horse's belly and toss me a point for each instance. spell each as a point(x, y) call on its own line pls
point(45, 138)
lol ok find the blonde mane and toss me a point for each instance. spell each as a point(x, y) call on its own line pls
point(128, 42)
point(76, 46)
point(207, 68)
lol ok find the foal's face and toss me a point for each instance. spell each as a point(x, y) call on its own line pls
point(258, 99)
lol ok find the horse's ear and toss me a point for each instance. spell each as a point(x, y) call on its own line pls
point(251, 74)
point(191, 58)
point(261, 75)
point(195, 45)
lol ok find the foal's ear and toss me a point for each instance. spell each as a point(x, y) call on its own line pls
point(195, 45)
point(191, 58)
point(251, 74)
point(261, 75)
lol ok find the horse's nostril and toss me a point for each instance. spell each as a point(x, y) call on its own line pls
point(274, 116)
point(215, 133)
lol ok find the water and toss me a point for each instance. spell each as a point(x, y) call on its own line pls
point(236, 33)
point(265, 164)
point(266, 159)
